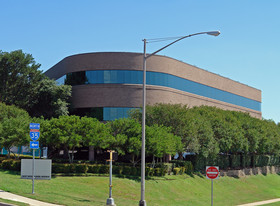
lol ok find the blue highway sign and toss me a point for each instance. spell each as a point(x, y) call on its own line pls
point(34, 145)
point(34, 126)
point(34, 134)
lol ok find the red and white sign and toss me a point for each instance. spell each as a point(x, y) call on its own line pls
point(212, 172)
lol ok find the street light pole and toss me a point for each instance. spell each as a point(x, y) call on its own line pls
point(142, 202)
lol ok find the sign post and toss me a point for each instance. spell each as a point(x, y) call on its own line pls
point(110, 200)
point(212, 172)
point(34, 135)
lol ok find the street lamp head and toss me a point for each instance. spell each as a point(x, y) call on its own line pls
point(214, 33)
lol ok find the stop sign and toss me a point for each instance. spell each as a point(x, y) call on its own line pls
point(212, 172)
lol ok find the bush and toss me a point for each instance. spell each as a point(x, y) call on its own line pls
point(104, 169)
point(93, 169)
point(274, 160)
point(168, 168)
point(149, 171)
point(118, 170)
point(126, 170)
point(176, 170)
point(133, 171)
point(188, 167)
point(11, 164)
point(60, 168)
point(81, 168)
point(2, 158)
point(182, 170)
point(159, 172)
point(235, 161)
point(223, 161)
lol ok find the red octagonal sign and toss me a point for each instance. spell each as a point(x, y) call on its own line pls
point(212, 172)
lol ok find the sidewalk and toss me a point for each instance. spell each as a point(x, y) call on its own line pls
point(262, 202)
point(31, 202)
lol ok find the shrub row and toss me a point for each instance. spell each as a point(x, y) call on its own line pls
point(160, 170)
point(104, 169)
point(234, 161)
point(10, 164)
point(187, 165)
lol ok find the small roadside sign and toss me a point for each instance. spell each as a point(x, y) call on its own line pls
point(34, 145)
point(212, 172)
point(34, 126)
point(34, 134)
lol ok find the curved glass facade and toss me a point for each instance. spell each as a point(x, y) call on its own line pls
point(103, 113)
point(159, 79)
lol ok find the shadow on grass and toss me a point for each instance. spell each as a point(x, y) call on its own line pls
point(10, 172)
point(199, 174)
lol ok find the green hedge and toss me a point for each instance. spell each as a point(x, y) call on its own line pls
point(200, 163)
point(10, 164)
point(234, 161)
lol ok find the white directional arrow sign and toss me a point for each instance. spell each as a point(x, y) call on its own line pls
point(34, 145)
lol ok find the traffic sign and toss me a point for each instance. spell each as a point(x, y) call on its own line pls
point(34, 145)
point(34, 134)
point(212, 172)
point(34, 126)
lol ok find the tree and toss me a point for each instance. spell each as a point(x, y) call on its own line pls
point(50, 100)
point(177, 117)
point(11, 111)
point(205, 135)
point(127, 134)
point(161, 141)
point(23, 85)
point(94, 133)
point(63, 132)
point(14, 132)
point(19, 75)
point(14, 127)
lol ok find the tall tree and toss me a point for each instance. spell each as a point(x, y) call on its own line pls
point(49, 99)
point(19, 75)
point(23, 85)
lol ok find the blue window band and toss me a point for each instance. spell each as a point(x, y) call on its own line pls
point(159, 79)
point(112, 113)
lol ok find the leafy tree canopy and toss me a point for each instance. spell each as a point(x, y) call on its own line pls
point(23, 85)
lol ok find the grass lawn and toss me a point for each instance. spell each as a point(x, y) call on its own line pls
point(170, 191)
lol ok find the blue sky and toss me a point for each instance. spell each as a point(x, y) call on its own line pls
point(247, 50)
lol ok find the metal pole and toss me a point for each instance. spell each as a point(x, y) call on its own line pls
point(110, 179)
point(33, 171)
point(142, 201)
point(110, 200)
point(211, 192)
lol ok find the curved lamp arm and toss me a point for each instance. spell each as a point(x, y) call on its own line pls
point(213, 33)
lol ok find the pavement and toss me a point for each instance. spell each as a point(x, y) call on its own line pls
point(17, 198)
point(262, 202)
